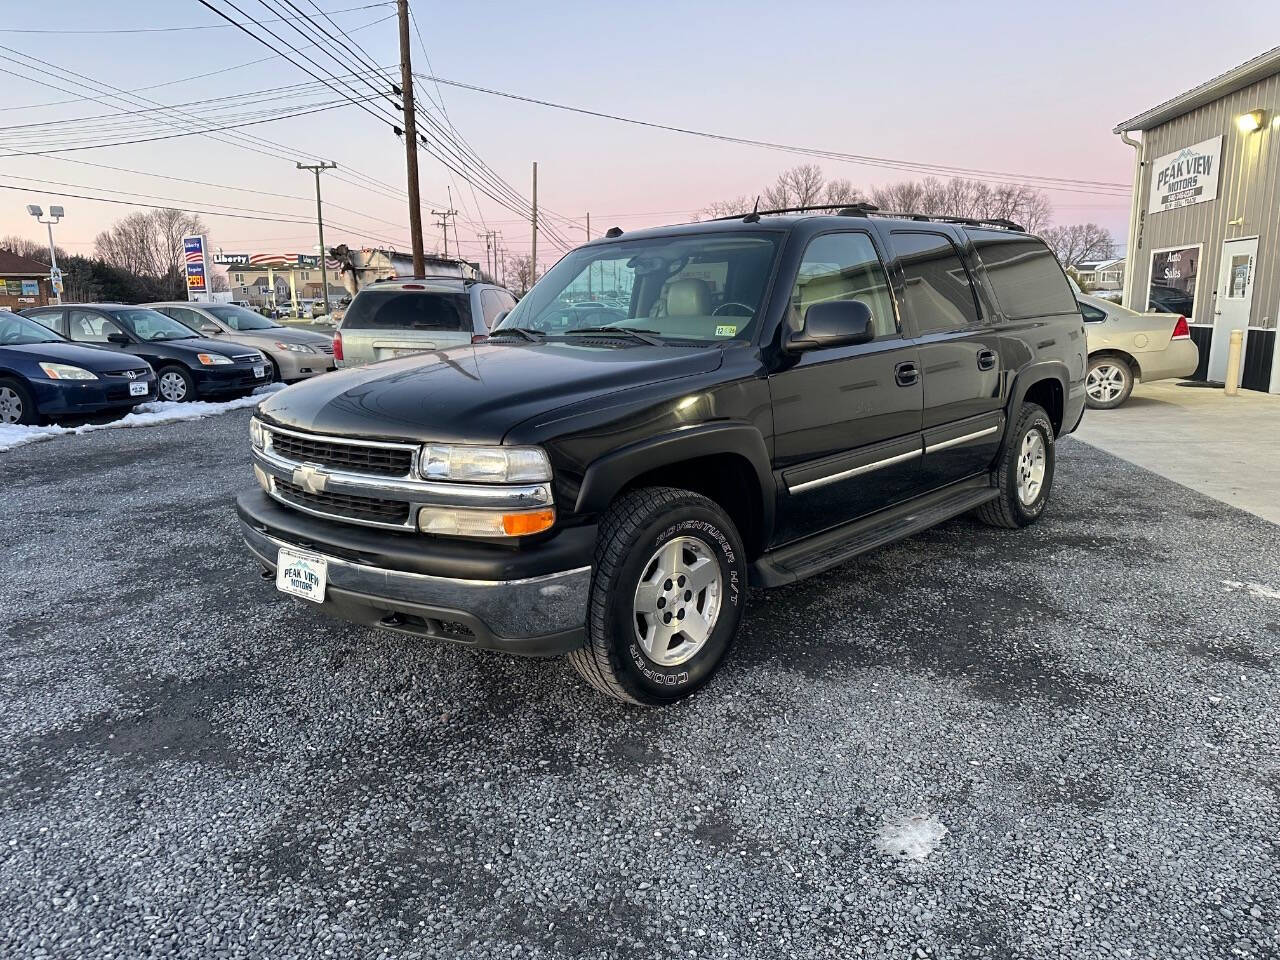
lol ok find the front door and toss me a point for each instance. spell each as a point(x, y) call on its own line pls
point(846, 419)
point(1233, 303)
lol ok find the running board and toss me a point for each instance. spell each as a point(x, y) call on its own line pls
point(828, 549)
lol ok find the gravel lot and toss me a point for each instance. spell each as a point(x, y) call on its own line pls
point(193, 765)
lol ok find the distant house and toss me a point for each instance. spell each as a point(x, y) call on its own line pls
point(1101, 274)
point(23, 282)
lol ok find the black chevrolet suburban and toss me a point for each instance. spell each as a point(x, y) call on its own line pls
point(667, 418)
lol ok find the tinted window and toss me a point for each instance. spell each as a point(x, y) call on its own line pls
point(87, 327)
point(1092, 314)
point(408, 310)
point(1025, 276)
point(493, 304)
point(939, 295)
point(843, 266)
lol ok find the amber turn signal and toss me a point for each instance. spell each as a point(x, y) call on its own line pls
point(523, 524)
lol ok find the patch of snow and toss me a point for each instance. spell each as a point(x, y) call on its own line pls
point(1261, 591)
point(911, 836)
point(144, 415)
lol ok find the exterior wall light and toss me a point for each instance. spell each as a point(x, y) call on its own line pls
point(1251, 122)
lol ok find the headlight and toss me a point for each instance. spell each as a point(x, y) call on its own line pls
point(461, 522)
point(212, 359)
point(294, 347)
point(257, 436)
point(64, 371)
point(446, 461)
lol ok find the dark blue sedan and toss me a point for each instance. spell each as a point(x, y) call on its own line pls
point(42, 375)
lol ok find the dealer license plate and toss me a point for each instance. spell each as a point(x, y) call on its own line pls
point(137, 389)
point(301, 574)
point(409, 351)
point(260, 370)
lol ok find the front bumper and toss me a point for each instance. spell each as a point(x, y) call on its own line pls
point(70, 397)
point(226, 378)
point(492, 598)
point(300, 366)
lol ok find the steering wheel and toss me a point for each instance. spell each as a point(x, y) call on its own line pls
point(733, 303)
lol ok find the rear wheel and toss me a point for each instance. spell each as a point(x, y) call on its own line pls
point(175, 385)
point(16, 404)
point(1108, 382)
point(667, 596)
point(1024, 476)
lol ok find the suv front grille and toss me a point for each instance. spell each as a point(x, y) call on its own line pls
point(344, 507)
point(382, 461)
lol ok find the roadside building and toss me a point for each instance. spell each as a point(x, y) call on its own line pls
point(24, 282)
point(270, 279)
point(1204, 228)
point(1103, 275)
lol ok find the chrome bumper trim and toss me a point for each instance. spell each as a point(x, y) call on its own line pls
point(511, 609)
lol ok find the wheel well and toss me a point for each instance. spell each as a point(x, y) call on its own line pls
point(1133, 364)
point(1048, 393)
point(728, 479)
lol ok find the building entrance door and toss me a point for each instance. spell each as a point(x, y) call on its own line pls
point(1235, 298)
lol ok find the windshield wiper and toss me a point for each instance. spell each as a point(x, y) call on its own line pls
point(637, 333)
point(534, 336)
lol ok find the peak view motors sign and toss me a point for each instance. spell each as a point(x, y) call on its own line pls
point(1186, 177)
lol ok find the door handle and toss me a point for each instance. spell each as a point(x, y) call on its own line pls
point(906, 374)
point(986, 359)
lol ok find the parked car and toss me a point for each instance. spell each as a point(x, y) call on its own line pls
point(43, 376)
point(1126, 346)
point(785, 393)
point(188, 367)
point(291, 354)
point(396, 318)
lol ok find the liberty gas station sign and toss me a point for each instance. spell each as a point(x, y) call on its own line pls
point(1186, 177)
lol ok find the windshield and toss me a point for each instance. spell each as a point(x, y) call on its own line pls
point(151, 325)
point(702, 288)
point(15, 330)
point(238, 318)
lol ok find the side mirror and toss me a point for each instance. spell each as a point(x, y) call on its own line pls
point(119, 338)
point(835, 323)
point(209, 330)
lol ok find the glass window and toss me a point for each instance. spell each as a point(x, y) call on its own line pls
point(148, 324)
point(374, 309)
point(939, 295)
point(702, 287)
point(493, 303)
point(1174, 274)
point(1092, 314)
point(47, 318)
point(88, 327)
point(240, 318)
point(1238, 283)
point(1025, 275)
point(16, 330)
point(188, 318)
point(843, 266)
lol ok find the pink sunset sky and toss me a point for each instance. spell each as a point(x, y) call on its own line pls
point(998, 87)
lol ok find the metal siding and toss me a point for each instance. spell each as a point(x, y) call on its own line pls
point(1249, 186)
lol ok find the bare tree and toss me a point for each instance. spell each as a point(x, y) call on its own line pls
point(800, 186)
point(218, 282)
point(1075, 243)
point(149, 243)
point(520, 271)
point(727, 208)
point(37, 250)
point(842, 190)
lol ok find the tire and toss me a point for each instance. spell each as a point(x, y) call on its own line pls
point(1108, 382)
point(644, 534)
point(1021, 500)
point(273, 368)
point(174, 384)
point(16, 403)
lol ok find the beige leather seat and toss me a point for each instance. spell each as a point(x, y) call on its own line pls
point(689, 297)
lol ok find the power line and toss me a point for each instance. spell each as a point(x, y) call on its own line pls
point(204, 26)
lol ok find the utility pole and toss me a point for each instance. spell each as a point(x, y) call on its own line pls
point(533, 266)
point(410, 139)
point(318, 169)
point(443, 222)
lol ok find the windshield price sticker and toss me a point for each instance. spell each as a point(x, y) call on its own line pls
point(726, 330)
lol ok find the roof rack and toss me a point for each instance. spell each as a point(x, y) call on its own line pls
point(870, 210)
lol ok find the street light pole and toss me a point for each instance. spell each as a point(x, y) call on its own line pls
point(318, 169)
point(55, 275)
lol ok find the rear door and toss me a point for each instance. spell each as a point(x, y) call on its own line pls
point(959, 355)
point(846, 419)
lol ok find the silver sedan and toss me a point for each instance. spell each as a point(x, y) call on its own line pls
point(1126, 346)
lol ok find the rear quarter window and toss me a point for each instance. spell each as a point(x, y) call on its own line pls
point(1025, 276)
point(408, 310)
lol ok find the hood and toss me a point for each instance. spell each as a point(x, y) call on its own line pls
point(473, 393)
point(228, 348)
point(95, 359)
point(283, 334)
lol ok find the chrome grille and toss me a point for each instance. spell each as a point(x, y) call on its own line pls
point(344, 506)
point(247, 358)
point(382, 461)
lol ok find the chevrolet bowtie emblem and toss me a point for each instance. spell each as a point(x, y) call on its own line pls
point(309, 479)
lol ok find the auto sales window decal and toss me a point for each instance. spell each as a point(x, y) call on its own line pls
point(1173, 281)
point(1188, 176)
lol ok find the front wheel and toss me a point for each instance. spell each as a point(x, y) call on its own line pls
point(16, 405)
point(1024, 475)
point(175, 385)
point(667, 596)
point(1108, 382)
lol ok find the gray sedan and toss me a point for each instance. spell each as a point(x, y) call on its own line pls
point(1126, 346)
point(294, 354)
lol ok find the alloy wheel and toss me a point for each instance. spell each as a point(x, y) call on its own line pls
point(10, 406)
point(1105, 382)
point(677, 601)
point(1031, 467)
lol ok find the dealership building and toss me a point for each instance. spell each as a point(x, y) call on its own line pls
point(1204, 229)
